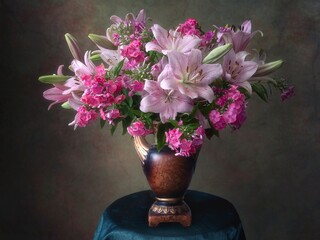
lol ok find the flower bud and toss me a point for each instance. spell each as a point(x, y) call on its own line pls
point(268, 68)
point(66, 105)
point(102, 41)
point(74, 47)
point(217, 53)
point(52, 79)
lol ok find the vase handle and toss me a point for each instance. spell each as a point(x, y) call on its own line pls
point(142, 147)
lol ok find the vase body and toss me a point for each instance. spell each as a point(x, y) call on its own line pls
point(169, 177)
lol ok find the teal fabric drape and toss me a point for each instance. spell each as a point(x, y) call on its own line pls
point(212, 218)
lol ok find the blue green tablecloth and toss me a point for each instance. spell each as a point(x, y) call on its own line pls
point(212, 218)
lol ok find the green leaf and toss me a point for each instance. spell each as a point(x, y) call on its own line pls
point(194, 111)
point(261, 91)
point(210, 132)
point(136, 112)
point(174, 123)
point(125, 123)
point(117, 69)
point(130, 101)
point(217, 53)
point(52, 79)
point(161, 137)
point(102, 122)
point(152, 56)
point(113, 128)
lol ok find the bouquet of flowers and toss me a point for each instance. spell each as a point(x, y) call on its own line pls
point(181, 85)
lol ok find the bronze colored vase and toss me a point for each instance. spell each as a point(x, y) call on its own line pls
point(169, 177)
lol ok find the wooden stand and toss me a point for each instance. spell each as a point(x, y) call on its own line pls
point(169, 212)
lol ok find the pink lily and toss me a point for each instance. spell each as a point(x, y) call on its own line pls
point(58, 93)
point(239, 38)
point(135, 24)
point(237, 70)
point(111, 57)
point(130, 19)
point(172, 40)
point(166, 102)
point(188, 75)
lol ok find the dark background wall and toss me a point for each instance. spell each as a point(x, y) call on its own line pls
point(55, 182)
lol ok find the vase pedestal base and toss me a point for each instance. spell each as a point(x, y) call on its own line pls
point(169, 212)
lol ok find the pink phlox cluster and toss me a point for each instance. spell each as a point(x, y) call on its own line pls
point(133, 53)
point(84, 117)
point(133, 86)
point(189, 27)
point(173, 138)
point(232, 105)
point(207, 39)
point(138, 128)
point(98, 77)
point(287, 93)
point(110, 115)
point(183, 146)
point(100, 95)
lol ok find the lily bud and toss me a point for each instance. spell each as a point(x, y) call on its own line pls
point(217, 53)
point(52, 79)
point(95, 57)
point(102, 41)
point(74, 47)
point(66, 105)
point(268, 68)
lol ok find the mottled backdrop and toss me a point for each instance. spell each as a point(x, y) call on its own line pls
point(55, 182)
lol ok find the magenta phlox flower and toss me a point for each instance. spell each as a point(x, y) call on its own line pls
point(217, 120)
point(240, 38)
point(237, 70)
point(165, 102)
point(84, 117)
point(186, 74)
point(133, 53)
point(185, 148)
point(135, 86)
point(198, 138)
point(206, 39)
point(110, 115)
point(189, 27)
point(173, 138)
point(231, 109)
point(138, 128)
point(287, 93)
point(176, 140)
point(168, 41)
point(102, 94)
